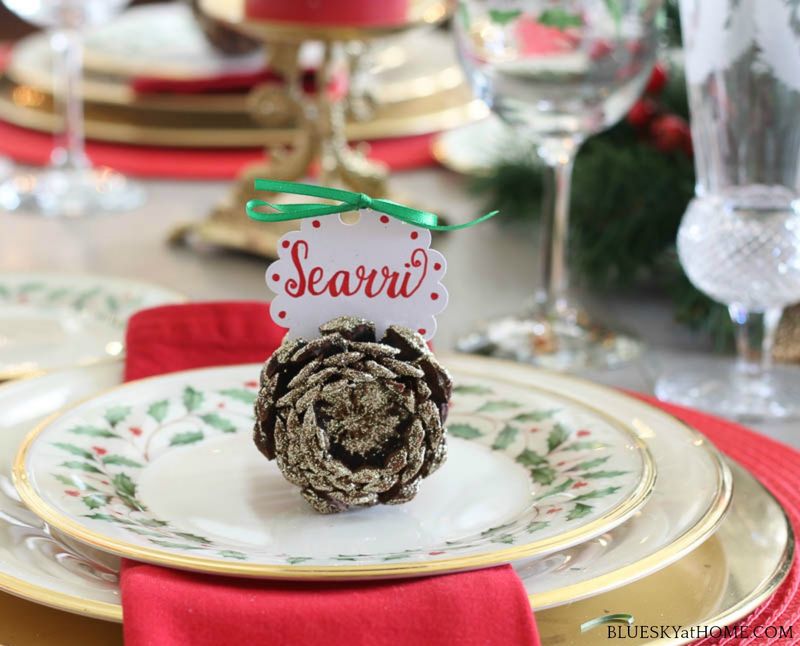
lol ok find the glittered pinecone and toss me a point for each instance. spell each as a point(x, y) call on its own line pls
point(351, 421)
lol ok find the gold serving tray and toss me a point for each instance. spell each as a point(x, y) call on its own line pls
point(25, 106)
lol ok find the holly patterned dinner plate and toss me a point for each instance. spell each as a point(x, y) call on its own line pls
point(50, 321)
point(164, 470)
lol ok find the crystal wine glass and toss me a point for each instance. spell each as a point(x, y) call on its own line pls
point(739, 240)
point(556, 72)
point(70, 186)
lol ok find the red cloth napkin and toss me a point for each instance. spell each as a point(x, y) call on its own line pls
point(164, 607)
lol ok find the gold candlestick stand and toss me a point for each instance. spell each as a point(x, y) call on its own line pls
point(317, 119)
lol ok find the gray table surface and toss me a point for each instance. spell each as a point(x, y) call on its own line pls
point(492, 269)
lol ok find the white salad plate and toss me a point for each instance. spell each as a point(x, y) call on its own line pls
point(50, 321)
point(689, 500)
point(164, 470)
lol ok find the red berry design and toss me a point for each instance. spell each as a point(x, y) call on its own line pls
point(434, 296)
point(251, 384)
point(642, 113)
point(99, 450)
point(285, 244)
point(554, 510)
point(437, 266)
point(276, 277)
point(600, 49)
point(315, 224)
point(579, 485)
point(657, 81)
point(436, 553)
point(72, 492)
point(422, 330)
point(384, 219)
point(583, 433)
point(414, 235)
point(670, 133)
point(135, 430)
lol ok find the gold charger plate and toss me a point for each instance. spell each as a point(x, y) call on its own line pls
point(428, 67)
point(721, 582)
point(26, 107)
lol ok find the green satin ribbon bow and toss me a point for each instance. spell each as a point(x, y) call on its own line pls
point(348, 201)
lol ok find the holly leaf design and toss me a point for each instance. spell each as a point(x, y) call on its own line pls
point(124, 485)
point(92, 431)
point(559, 18)
point(233, 554)
point(602, 474)
point(152, 522)
point(116, 414)
point(534, 416)
point(536, 525)
point(97, 516)
point(590, 464)
point(121, 460)
point(96, 500)
point(74, 450)
point(504, 16)
point(556, 437)
point(587, 445)
point(246, 396)
point(394, 557)
point(187, 437)
point(158, 410)
point(530, 458)
point(499, 404)
point(507, 539)
point(216, 420)
point(579, 511)
point(295, 560)
point(472, 389)
point(465, 431)
point(505, 438)
point(597, 493)
point(544, 475)
point(193, 537)
point(81, 466)
point(192, 399)
point(560, 488)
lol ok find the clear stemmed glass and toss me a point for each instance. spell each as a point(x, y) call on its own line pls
point(739, 240)
point(70, 186)
point(556, 71)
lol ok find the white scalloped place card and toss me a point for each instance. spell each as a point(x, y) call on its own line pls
point(379, 269)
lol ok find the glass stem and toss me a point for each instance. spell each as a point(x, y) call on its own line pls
point(755, 337)
point(67, 46)
point(555, 229)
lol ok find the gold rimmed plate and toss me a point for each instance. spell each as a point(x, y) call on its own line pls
point(164, 470)
point(52, 321)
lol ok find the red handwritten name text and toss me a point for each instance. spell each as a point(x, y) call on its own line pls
point(370, 281)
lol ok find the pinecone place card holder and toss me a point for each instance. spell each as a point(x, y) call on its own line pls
point(352, 404)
